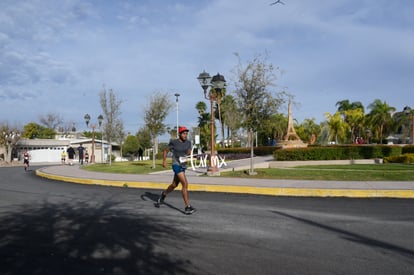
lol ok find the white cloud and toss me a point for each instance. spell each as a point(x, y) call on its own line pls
point(62, 52)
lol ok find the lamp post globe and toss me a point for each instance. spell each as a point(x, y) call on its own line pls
point(204, 78)
point(100, 119)
point(87, 118)
point(218, 81)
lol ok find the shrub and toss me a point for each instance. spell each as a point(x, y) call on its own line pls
point(405, 158)
point(337, 152)
point(408, 149)
point(258, 151)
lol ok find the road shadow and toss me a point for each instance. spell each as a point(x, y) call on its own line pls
point(83, 238)
point(154, 199)
point(353, 237)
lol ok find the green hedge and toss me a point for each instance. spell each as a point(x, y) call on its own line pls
point(243, 152)
point(337, 152)
point(405, 158)
point(409, 149)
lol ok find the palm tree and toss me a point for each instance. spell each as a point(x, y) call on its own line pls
point(351, 111)
point(204, 126)
point(345, 105)
point(203, 123)
point(275, 126)
point(231, 117)
point(401, 123)
point(311, 128)
point(380, 116)
point(219, 95)
point(354, 118)
point(201, 107)
point(337, 126)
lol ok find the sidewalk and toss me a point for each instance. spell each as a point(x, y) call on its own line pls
point(302, 188)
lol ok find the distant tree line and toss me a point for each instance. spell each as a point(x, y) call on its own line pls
point(250, 112)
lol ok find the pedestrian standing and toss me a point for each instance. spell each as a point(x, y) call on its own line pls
point(63, 157)
point(180, 148)
point(80, 152)
point(71, 154)
point(86, 156)
point(140, 153)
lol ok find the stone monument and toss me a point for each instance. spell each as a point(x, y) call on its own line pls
point(291, 139)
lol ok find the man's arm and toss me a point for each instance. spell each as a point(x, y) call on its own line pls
point(190, 150)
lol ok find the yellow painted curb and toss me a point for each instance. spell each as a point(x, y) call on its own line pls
point(117, 183)
point(273, 191)
point(304, 192)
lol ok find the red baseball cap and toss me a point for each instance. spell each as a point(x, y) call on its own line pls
point(182, 129)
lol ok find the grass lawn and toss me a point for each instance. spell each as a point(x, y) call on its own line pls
point(354, 172)
point(130, 167)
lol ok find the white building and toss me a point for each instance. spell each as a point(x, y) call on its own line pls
point(50, 150)
point(41, 150)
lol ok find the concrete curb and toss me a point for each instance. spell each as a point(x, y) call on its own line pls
point(271, 191)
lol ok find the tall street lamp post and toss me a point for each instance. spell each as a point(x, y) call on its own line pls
point(87, 118)
point(176, 101)
point(100, 119)
point(216, 84)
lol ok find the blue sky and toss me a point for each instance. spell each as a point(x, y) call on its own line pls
point(56, 55)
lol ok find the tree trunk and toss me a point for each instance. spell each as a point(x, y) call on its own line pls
point(381, 129)
point(222, 135)
point(110, 153)
point(251, 172)
point(153, 153)
point(221, 124)
point(9, 149)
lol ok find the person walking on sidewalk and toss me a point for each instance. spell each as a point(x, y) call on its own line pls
point(180, 148)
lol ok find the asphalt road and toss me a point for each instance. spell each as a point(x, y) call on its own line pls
point(50, 227)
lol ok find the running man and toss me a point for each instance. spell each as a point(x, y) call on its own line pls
point(180, 148)
point(26, 158)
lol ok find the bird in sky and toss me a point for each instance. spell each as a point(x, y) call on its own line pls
point(277, 2)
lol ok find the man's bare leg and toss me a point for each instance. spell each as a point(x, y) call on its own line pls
point(169, 189)
point(184, 191)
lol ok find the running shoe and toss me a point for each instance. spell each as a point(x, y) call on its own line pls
point(161, 198)
point(189, 210)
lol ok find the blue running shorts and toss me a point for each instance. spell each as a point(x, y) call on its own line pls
point(178, 169)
